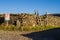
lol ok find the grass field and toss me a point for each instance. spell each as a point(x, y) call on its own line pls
point(27, 28)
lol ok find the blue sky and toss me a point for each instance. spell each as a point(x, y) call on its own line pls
point(28, 6)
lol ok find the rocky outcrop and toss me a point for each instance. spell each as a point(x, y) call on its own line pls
point(33, 20)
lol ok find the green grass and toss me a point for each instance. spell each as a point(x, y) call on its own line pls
point(27, 28)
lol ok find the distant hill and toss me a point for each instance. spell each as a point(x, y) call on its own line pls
point(56, 14)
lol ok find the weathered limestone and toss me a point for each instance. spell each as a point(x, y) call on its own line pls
point(20, 20)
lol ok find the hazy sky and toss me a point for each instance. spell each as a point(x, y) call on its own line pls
point(18, 6)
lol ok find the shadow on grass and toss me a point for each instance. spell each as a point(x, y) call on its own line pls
point(51, 34)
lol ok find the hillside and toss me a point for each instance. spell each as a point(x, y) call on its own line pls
point(32, 19)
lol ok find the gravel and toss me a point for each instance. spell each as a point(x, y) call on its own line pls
point(9, 35)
